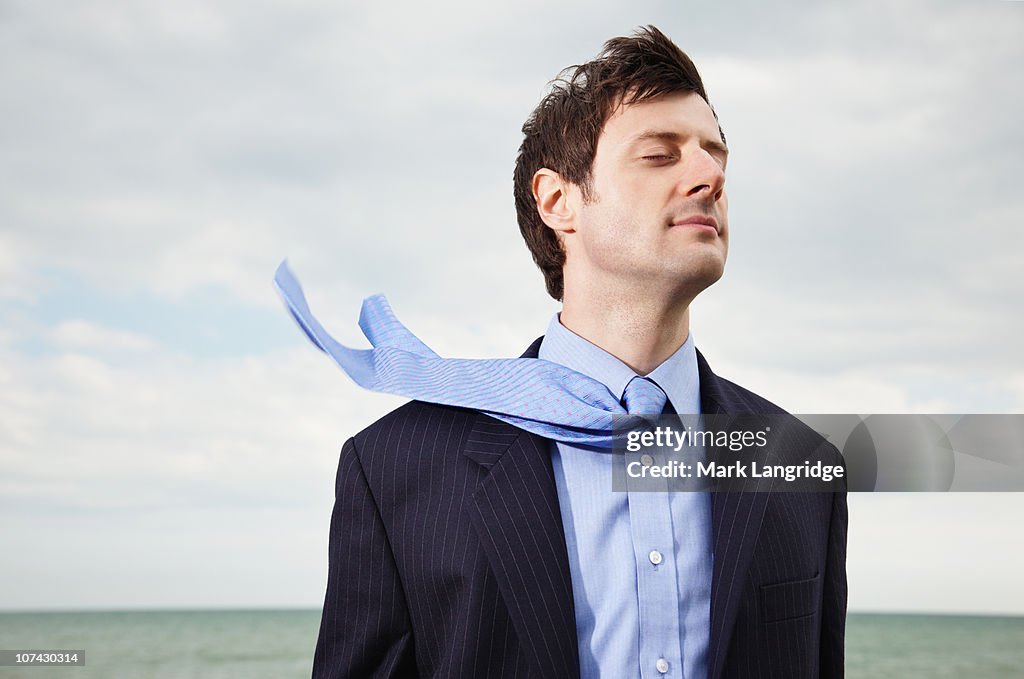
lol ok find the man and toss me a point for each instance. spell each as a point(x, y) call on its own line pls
point(464, 546)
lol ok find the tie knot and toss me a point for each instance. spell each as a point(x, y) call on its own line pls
point(643, 397)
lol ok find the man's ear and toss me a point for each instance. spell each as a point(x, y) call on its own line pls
point(552, 194)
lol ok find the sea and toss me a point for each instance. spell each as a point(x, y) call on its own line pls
point(256, 644)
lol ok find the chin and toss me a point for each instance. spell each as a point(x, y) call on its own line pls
point(700, 272)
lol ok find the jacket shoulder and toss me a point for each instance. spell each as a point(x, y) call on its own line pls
point(721, 395)
point(415, 427)
point(738, 400)
point(751, 402)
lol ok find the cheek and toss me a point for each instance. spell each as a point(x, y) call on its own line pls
point(723, 210)
point(607, 229)
point(607, 248)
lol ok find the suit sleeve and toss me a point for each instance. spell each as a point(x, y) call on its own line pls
point(365, 630)
point(833, 619)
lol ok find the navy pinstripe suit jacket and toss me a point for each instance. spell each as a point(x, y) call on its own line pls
point(447, 558)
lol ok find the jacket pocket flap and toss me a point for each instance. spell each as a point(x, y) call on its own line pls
point(793, 599)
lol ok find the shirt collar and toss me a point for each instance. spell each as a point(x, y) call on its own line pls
point(677, 375)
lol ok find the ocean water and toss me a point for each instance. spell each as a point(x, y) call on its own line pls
point(167, 644)
point(934, 646)
point(279, 645)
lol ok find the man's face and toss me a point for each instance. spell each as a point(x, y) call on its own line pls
point(658, 169)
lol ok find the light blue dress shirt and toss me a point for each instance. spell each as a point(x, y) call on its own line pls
point(640, 561)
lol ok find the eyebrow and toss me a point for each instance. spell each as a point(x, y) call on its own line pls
point(666, 135)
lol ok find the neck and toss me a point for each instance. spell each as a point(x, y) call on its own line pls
point(641, 328)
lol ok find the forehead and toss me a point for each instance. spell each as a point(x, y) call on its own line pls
point(685, 114)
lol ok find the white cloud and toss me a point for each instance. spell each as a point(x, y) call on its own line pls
point(110, 430)
point(923, 552)
point(78, 334)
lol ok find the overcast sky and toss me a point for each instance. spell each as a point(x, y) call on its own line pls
point(168, 438)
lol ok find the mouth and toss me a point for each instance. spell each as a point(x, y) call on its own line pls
point(699, 222)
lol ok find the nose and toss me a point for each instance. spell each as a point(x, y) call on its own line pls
point(703, 176)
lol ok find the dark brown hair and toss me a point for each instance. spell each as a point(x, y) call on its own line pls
point(562, 132)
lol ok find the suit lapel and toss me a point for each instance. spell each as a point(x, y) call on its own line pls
point(520, 528)
point(735, 522)
point(518, 521)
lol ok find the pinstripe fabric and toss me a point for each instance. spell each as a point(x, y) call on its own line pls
point(447, 558)
point(778, 593)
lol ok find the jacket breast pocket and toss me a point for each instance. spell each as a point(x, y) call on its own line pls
point(793, 599)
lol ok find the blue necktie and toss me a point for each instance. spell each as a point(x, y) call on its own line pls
point(536, 395)
point(643, 396)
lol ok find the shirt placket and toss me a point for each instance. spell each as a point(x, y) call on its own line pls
point(650, 520)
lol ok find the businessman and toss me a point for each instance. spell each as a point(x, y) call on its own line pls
point(463, 545)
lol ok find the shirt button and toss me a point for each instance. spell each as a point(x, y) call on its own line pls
point(655, 557)
point(661, 665)
point(646, 460)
